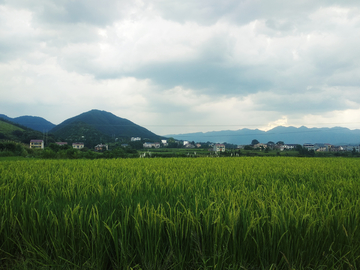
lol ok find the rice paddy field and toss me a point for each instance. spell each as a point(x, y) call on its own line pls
point(180, 213)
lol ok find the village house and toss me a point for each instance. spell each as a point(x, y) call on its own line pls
point(290, 146)
point(134, 139)
point(219, 147)
point(164, 142)
point(189, 145)
point(61, 143)
point(322, 147)
point(78, 145)
point(151, 145)
point(350, 148)
point(309, 146)
point(260, 145)
point(101, 147)
point(280, 147)
point(37, 144)
point(336, 149)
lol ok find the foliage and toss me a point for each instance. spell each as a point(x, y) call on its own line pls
point(253, 142)
point(228, 213)
point(9, 148)
point(248, 147)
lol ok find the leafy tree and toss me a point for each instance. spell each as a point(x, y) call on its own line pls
point(298, 148)
point(48, 153)
point(248, 147)
point(71, 153)
point(136, 144)
point(253, 142)
point(280, 143)
point(55, 147)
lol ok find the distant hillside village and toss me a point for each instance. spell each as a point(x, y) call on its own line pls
point(39, 144)
point(317, 147)
point(100, 134)
point(215, 147)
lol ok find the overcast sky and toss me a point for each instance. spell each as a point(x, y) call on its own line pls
point(183, 66)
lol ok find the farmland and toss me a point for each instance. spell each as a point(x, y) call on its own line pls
point(180, 213)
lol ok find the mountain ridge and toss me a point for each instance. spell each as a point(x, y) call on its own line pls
point(100, 126)
point(33, 122)
point(291, 135)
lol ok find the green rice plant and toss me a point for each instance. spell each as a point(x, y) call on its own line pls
point(224, 213)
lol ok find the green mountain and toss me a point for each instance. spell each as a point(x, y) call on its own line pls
point(15, 132)
point(97, 126)
point(6, 128)
point(33, 122)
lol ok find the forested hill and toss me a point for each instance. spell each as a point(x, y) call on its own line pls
point(33, 122)
point(15, 132)
point(104, 124)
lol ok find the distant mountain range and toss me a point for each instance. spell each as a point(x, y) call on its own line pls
point(290, 135)
point(91, 127)
point(97, 126)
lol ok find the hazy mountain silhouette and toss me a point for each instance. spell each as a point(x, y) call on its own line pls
point(290, 135)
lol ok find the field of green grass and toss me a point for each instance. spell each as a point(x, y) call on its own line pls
point(204, 213)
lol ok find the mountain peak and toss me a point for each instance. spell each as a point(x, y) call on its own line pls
point(105, 123)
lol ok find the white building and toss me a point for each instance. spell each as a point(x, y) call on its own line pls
point(164, 142)
point(37, 144)
point(151, 145)
point(219, 147)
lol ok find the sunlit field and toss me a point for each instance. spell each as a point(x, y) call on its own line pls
point(183, 213)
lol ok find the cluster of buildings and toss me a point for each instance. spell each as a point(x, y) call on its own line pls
point(317, 147)
point(39, 144)
point(186, 144)
point(326, 147)
point(218, 147)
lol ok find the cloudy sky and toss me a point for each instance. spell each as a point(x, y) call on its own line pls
point(183, 66)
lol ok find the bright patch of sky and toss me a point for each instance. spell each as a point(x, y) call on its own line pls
point(183, 66)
